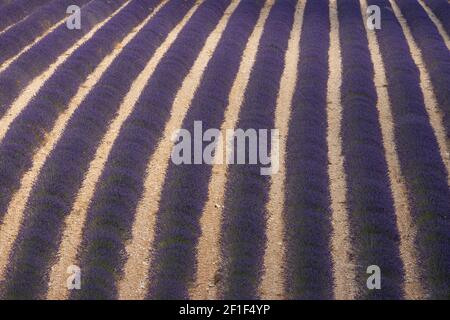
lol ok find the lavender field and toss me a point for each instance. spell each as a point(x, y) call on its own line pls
point(94, 206)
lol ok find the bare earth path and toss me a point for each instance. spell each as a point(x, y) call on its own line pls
point(412, 285)
point(74, 223)
point(272, 284)
point(208, 249)
point(8, 62)
point(13, 218)
point(134, 284)
point(437, 23)
point(30, 91)
point(431, 105)
point(344, 271)
point(135, 281)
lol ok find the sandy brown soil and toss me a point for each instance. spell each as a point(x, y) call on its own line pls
point(12, 221)
point(134, 284)
point(135, 281)
point(208, 252)
point(431, 105)
point(7, 63)
point(74, 223)
point(272, 282)
point(344, 270)
point(412, 286)
point(437, 23)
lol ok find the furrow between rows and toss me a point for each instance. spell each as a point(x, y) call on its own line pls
point(17, 11)
point(19, 38)
point(273, 280)
point(307, 212)
point(43, 207)
point(14, 216)
point(110, 224)
point(208, 247)
point(343, 266)
point(156, 172)
point(74, 222)
point(418, 150)
point(243, 235)
point(412, 283)
point(435, 115)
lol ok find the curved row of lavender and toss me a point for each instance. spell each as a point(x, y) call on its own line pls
point(111, 215)
point(35, 25)
point(307, 206)
point(185, 190)
point(243, 236)
point(142, 132)
point(36, 60)
point(16, 11)
point(441, 8)
point(435, 53)
point(418, 151)
point(28, 131)
point(372, 219)
point(61, 176)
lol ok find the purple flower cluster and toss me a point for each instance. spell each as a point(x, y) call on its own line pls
point(111, 214)
point(441, 8)
point(61, 177)
point(420, 161)
point(16, 11)
point(434, 51)
point(186, 186)
point(28, 131)
point(33, 26)
point(243, 235)
point(36, 60)
point(307, 214)
point(375, 237)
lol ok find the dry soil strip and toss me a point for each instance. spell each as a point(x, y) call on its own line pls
point(134, 284)
point(208, 249)
point(412, 285)
point(22, 19)
point(9, 27)
point(431, 105)
point(272, 283)
point(10, 227)
point(344, 270)
point(32, 89)
point(74, 222)
point(8, 62)
point(437, 23)
point(15, 23)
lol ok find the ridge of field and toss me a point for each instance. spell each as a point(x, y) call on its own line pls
point(87, 119)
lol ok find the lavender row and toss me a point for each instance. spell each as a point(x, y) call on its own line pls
point(185, 190)
point(421, 165)
point(60, 178)
point(28, 131)
point(111, 214)
point(36, 60)
point(369, 200)
point(243, 235)
point(434, 51)
point(28, 30)
point(441, 9)
point(17, 10)
point(307, 214)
